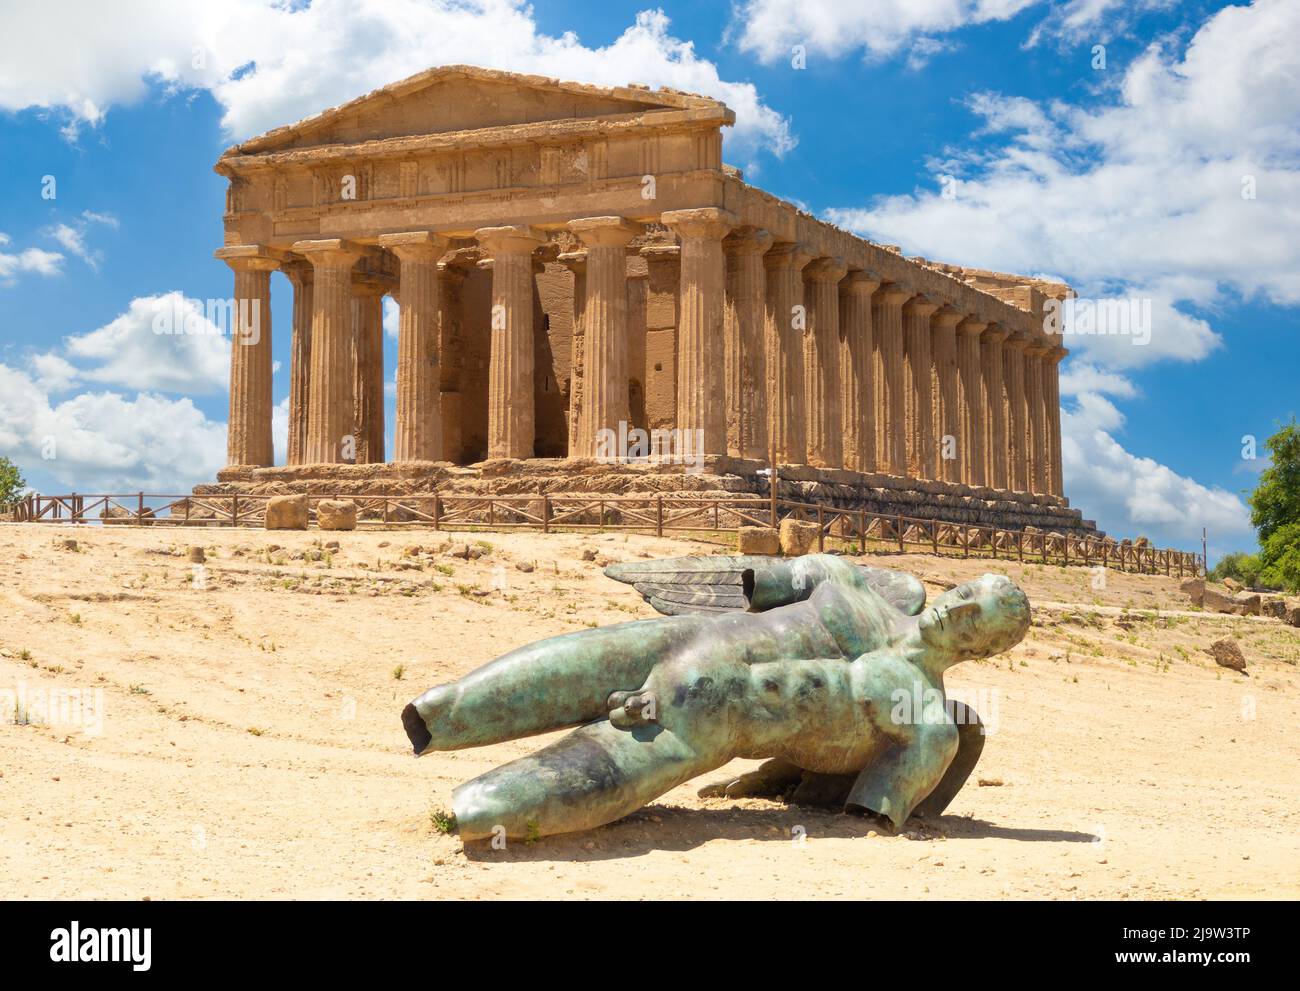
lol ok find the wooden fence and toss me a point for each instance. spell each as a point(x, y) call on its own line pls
point(846, 529)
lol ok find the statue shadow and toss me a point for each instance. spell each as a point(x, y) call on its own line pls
point(660, 828)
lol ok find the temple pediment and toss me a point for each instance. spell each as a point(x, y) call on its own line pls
point(460, 99)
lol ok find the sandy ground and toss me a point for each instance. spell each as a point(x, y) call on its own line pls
point(248, 742)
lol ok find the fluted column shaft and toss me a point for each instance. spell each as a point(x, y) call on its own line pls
point(576, 263)
point(368, 370)
point(1051, 366)
point(248, 437)
point(605, 362)
point(783, 323)
point(891, 401)
point(417, 434)
point(701, 352)
point(329, 395)
point(1013, 375)
point(1038, 449)
point(997, 464)
point(918, 387)
point(972, 401)
point(746, 362)
point(511, 416)
point(301, 277)
point(822, 362)
point(857, 388)
point(947, 405)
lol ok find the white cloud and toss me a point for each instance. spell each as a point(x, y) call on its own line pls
point(269, 63)
point(1137, 495)
point(1097, 21)
point(129, 352)
point(771, 28)
point(28, 260)
point(1139, 196)
point(392, 315)
point(103, 440)
point(280, 431)
point(72, 238)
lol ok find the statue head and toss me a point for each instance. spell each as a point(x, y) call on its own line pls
point(978, 619)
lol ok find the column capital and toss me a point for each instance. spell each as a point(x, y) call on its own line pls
point(946, 318)
point(787, 254)
point(826, 269)
point(574, 261)
point(516, 240)
point(892, 294)
point(1018, 340)
point(970, 327)
point(709, 222)
point(920, 305)
point(298, 271)
point(860, 281)
point(332, 252)
point(995, 333)
point(1057, 354)
point(369, 284)
point(747, 241)
point(251, 257)
point(415, 245)
point(1036, 349)
point(604, 232)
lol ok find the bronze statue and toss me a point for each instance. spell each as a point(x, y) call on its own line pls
point(815, 663)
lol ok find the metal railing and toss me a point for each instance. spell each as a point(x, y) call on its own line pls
point(661, 515)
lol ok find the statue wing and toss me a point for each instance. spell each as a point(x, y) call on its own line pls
point(744, 583)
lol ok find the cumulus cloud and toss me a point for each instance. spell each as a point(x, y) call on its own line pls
point(28, 260)
point(269, 63)
point(1180, 189)
point(771, 28)
point(72, 237)
point(164, 343)
point(107, 441)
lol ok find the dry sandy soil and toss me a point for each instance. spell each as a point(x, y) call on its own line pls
point(249, 744)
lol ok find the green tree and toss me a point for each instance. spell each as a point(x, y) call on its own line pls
point(1244, 567)
point(12, 482)
point(1275, 511)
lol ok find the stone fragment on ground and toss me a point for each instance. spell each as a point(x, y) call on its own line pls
point(1227, 654)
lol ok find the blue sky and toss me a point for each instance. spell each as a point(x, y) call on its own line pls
point(1123, 177)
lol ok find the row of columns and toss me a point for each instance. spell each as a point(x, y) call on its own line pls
point(779, 353)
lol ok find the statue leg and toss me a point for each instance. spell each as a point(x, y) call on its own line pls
point(895, 782)
point(548, 685)
point(593, 776)
point(970, 744)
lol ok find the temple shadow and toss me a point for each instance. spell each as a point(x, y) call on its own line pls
point(659, 828)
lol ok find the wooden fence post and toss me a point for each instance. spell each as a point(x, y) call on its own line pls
point(659, 516)
point(821, 531)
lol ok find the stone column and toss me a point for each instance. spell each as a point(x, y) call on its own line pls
point(451, 345)
point(918, 387)
point(368, 368)
point(1051, 366)
point(417, 435)
point(857, 389)
point(300, 275)
point(822, 362)
point(576, 263)
point(605, 362)
point(510, 360)
point(746, 363)
point(996, 464)
point(783, 323)
point(248, 437)
point(700, 349)
point(1037, 450)
point(947, 408)
point(1013, 376)
point(972, 402)
point(891, 396)
point(329, 396)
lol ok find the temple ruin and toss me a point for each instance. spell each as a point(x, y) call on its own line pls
point(574, 263)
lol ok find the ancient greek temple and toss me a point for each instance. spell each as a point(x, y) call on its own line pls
point(570, 261)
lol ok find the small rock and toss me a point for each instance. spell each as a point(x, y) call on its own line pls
point(1228, 655)
point(589, 555)
point(196, 555)
point(1232, 585)
point(527, 567)
point(69, 544)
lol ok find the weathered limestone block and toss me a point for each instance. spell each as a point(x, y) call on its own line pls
point(287, 512)
point(1292, 616)
point(1273, 607)
point(1194, 589)
point(757, 540)
point(798, 538)
point(1228, 655)
point(336, 514)
point(1248, 602)
point(1216, 600)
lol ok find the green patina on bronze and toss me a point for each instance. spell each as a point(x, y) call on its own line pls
point(832, 671)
